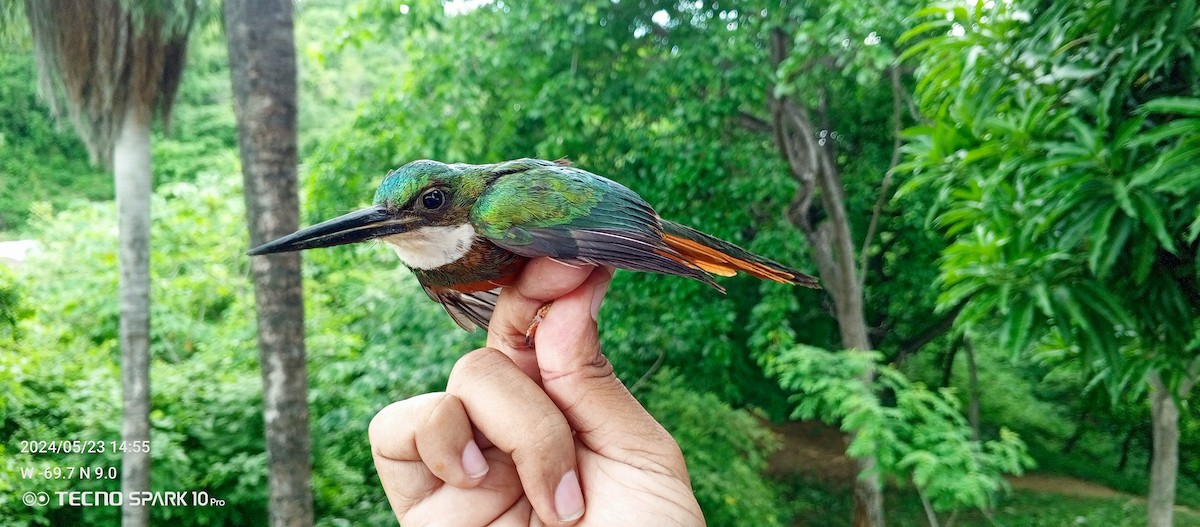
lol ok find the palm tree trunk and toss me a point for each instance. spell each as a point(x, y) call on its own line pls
point(131, 170)
point(262, 63)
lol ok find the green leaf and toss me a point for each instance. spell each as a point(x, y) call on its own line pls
point(923, 28)
point(985, 151)
point(1042, 294)
point(1176, 128)
point(1100, 238)
point(1144, 253)
point(1194, 229)
point(1121, 194)
point(1018, 326)
point(1104, 302)
point(1127, 130)
point(1084, 134)
point(1124, 228)
point(961, 16)
point(1098, 337)
point(936, 11)
point(1153, 217)
point(1180, 105)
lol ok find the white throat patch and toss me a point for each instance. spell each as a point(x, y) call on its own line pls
point(432, 247)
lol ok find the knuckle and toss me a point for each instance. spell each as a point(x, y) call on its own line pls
point(377, 430)
point(586, 372)
point(549, 435)
point(480, 361)
point(399, 420)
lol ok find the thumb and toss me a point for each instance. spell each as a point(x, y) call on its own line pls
point(580, 381)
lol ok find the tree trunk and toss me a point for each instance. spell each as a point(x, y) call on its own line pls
point(812, 162)
point(868, 489)
point(1125, 445)
point(948, 362)
point(1164, 465)
point(263, 67)
point(972, 390)
point(131, 171)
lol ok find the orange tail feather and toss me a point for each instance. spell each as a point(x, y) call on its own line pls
point(725, 259)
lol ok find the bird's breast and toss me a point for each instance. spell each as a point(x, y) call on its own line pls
point(432, 247)
point(455, 257)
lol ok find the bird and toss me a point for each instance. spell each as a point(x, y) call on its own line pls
point(465, 231)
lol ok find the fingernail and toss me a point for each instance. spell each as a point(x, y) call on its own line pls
point(474, 463)
point(598, 296)
point(568, 498)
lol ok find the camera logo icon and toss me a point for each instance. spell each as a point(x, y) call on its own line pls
point(35, 499)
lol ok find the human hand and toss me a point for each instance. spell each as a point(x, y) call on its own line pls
point(541, 436)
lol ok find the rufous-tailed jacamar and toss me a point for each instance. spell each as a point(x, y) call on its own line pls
point(465, 231)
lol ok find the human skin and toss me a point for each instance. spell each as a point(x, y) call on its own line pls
point(534, 436)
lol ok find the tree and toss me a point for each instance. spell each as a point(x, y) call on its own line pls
point(1063, 138)
point(819, 51)
point(109, 67)
point(262, 61)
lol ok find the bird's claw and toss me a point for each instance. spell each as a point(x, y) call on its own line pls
point(537, 319)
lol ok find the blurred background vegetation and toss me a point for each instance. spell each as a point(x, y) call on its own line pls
point(674, 100)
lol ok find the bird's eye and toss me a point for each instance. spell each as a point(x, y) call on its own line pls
point(433, 199)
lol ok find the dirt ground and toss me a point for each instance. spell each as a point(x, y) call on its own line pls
point(816, 452)
point(1063, 485)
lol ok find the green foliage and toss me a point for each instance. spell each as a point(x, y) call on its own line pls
point(1062, 144)
point(39, 162)
point(922, 436)
point(11, 309)
point(830, 507)
point(726, 452)
point(13, 363)
point(1066, 156)
point(207, 422)
point(1036, 509)
point(206, 394)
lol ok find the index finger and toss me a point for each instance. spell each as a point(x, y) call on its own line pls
point(513, 412)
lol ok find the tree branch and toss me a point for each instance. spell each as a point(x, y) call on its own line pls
point(753, 123)
point(658, 361)
point(796, 141)
point(930, 514)
point(948, 361)
point(1189, 382)
point(928, 335)
point(887, 177)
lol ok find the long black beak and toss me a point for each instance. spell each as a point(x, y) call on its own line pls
point(357, 226)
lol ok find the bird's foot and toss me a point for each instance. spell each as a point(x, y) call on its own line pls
point(537, 319)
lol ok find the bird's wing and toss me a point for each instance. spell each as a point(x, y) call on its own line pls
point(566, 213)
point(467, 309)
